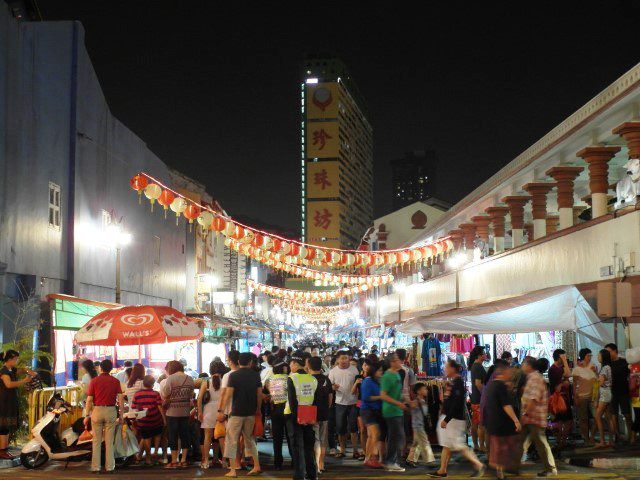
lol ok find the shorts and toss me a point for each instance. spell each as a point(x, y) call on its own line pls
point(346, 419)
point(476, 418)
point(321, 429)
point(620, 403)
point(605, 395)
point(374, 417)
point(150, 432)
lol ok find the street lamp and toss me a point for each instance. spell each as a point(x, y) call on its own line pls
point(117, 238)
point(399, 288)
point(456, 262)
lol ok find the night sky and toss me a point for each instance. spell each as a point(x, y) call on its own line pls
point(213, 88)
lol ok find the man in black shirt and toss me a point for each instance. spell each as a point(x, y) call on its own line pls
point(245, 392)
point(620, 398)
point(324, 394)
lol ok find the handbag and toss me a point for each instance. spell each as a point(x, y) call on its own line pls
point(206, 398)
point(219, 431)
point(557, 404)
point(258, 426)
point(307, 414)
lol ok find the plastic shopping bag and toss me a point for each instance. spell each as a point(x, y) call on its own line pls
point(126, 443)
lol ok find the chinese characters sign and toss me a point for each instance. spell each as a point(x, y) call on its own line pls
point(323, 223)
point(322, 139)
point(323, 179)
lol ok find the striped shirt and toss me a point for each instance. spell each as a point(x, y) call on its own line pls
point(151, 400)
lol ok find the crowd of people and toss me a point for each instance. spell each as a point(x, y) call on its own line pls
point(337, 400)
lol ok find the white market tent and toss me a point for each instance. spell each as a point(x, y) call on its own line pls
point(551, 309)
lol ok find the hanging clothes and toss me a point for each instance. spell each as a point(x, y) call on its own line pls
point(431, 357)
point(462, 344)
point(503, 344)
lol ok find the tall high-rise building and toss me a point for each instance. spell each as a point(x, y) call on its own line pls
point(413, 177)
point(336, 156)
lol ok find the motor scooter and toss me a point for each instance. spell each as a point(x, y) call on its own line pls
point(74, 443)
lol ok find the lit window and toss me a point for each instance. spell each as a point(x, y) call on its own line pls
point(54, 206)
point(312, 80)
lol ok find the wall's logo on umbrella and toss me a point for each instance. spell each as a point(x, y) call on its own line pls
point(137, 320)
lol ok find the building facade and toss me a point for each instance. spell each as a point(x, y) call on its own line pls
point(548, 219)
point(413, 177)
point(336, 156)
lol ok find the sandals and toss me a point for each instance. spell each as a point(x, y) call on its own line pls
point(253, 473)
point(339, 455)
point(172, 465)
point(359, 456)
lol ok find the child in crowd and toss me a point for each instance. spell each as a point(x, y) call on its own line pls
point(419, 416)
point(149, 427)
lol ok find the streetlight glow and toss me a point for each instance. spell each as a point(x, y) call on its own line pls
point(371, 303)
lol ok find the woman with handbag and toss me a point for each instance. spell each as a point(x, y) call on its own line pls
point(559, 374)
point(605, 379)
point(208, 404)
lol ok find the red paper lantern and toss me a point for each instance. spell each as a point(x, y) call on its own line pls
point(218, 224)
point(191, 212)
point(258, 240)
point(138, 183)
point(239, 233)
point(165, 199)
point(295, 250)
point(277, 245)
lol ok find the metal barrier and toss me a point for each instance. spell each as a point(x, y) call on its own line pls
point(39, 399)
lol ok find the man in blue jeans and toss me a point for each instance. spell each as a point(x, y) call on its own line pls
point(393, 413)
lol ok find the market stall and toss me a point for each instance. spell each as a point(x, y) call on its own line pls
point(539, 318)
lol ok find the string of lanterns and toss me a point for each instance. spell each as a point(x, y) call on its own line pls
point(281, 262)
point(269, 246)
point(307, 295)
point(309, 308)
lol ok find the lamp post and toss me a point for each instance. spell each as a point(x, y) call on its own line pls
point(116, 237)
point(399, 288)
point(457, 261)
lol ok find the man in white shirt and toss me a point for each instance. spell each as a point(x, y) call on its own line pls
point(584, 377)
point(342, 377)
point(122, 374)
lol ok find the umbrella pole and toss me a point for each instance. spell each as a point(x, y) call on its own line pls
point(139, 352)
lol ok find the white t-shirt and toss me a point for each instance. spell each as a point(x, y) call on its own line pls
point(265, 373)
point(583, 378)
point(345, 378)
point(224, 383)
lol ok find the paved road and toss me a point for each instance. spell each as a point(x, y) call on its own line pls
point(336, 469)
point(350, 470)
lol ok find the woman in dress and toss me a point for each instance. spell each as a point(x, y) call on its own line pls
point(452, 425)
point(605, 379)
point(9, 410)
point(559, 374)
point(208, 412)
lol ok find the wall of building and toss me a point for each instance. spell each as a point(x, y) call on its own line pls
point(400, 227)
point(54, 118)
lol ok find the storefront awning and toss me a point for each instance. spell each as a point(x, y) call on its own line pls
point(556, 308)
